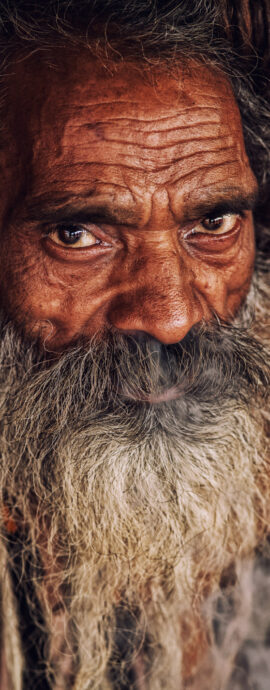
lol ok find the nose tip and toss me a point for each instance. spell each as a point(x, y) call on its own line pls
point(157, 296)
point(167, 323)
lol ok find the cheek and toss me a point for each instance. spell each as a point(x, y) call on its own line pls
point(239, 285)
point(224, 286)
point(30, 290)
point(46, 296)
point(241, 273)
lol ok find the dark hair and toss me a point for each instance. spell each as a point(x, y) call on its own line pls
point(233, 35)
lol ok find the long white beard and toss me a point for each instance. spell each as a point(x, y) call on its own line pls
point(137, 509)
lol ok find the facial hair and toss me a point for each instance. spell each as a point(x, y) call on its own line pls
point(138, 506)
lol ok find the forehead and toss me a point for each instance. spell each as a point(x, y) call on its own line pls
point(122, 134)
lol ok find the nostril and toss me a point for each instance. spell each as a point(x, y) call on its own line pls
point(137, 335)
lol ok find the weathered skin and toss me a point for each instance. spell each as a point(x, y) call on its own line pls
point(140, 153)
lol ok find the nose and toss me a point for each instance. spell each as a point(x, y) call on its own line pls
point(159, 299)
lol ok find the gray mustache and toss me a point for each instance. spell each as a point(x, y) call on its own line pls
point(211, 371)
point(207, 364)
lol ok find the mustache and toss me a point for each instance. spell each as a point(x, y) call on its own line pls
point(209, 363)
point(116, 372)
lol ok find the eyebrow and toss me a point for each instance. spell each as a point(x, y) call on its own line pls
point(220, 203)
point(48, 210)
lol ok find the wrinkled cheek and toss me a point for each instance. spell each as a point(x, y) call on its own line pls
point(236, 298)
point(24, 292)
point(240, 282)
point(225, 287)
point(235, 292)
point(41, 303)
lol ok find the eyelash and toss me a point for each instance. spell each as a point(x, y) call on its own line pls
point(223, 216)
point(81, 230)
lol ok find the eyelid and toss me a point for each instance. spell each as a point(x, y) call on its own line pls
point(90, 228)
point(216, 213)
point(49, 228)
point(194, 228)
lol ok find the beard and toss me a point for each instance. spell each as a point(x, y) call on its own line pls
point(128, 509)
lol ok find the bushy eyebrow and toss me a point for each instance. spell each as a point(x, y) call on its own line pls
point(71, 213)
point(68, 210)
point(231, 201)
point(79, 210)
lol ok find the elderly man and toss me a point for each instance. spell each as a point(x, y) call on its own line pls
point(134, 475)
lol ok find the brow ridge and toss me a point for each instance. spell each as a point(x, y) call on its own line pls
point(228, 200)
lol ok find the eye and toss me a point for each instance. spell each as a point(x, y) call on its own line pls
point(215, 225)
point(73, 236)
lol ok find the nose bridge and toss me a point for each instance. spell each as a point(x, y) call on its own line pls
point(156, 296)
point(160, 282)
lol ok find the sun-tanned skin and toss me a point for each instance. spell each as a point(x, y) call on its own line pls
point(138, 161)
point(126, 203)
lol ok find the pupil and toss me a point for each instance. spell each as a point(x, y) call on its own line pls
point(213, 223)
point(69, 235)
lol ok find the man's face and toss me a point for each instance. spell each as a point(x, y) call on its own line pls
point(125, 203)
point(125, 206)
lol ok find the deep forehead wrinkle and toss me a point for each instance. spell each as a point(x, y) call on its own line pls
point(114, 131)
point(109, 103)
point(178, 177)
point(206, 100)
point(83, 132)
point(123, 124)
point(89, 131)
point(164, 121)
point(132, 148)
point(182, 165)
point(145, 146)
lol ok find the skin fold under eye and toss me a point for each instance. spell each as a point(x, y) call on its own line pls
point(215, 225)
point(72, 236)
